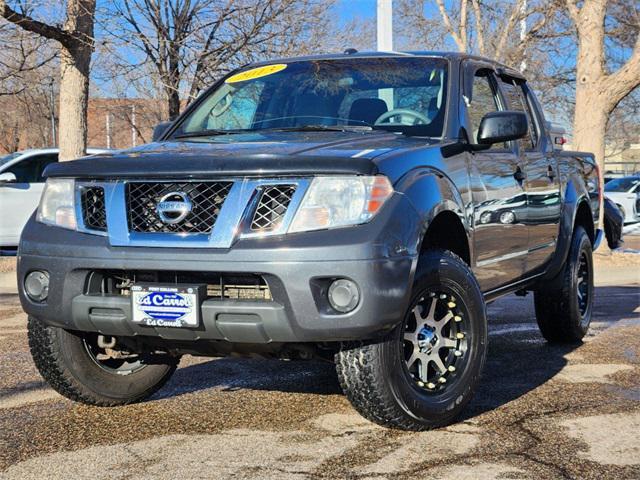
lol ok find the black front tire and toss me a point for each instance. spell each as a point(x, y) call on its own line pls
point(564, 305)
point(374, 374)
point(65, 362)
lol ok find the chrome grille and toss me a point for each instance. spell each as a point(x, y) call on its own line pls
point(94, 212)
point(206, 198)
point(272, 207)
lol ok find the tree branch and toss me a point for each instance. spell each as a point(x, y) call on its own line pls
point(508, 29)
point(625, 80)
point(574, 12)
point(28, 23)
point(463, 22)
point(447, 22)
point(479, 27)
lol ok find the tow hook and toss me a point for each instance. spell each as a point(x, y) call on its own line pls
point(106, 341)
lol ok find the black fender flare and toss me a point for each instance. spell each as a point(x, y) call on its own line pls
point(431, 193)
point(575, 194)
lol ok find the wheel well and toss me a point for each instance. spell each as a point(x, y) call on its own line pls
point(446, 232)
point(585, 220)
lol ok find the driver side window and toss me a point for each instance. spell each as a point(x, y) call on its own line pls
point(30, 169)
point(483, 101)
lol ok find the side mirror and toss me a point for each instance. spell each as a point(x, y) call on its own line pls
point(159, 130)
point(7, 177)
point(498, 127)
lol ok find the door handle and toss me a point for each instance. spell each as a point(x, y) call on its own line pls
point(519, 175)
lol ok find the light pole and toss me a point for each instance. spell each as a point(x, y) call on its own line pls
point(523, 34)
point(385, 42)
point(108, 128)
point(52, 109)
point(385, 25)
point(134, 132)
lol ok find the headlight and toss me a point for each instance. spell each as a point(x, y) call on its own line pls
point(57, 205)
point(341, 201)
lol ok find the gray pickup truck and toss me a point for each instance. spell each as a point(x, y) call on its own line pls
point(360, 207)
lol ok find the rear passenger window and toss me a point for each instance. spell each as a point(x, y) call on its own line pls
point(483, 101)
point(517, 101)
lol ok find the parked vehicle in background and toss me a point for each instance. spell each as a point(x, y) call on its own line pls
point(609, 175)
point(21, 185)
point(625, 193)
point(613, 223)
point(359, 208)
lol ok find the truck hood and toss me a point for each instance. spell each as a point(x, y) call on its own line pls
point(251, 154)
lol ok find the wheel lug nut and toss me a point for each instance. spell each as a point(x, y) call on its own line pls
point(442, 296)
point(442, 380)
point(459, 335)
point(431, 294)
point(457, 318)
point(457, 353)
point(451, 368)
point(431, 386)
point(451, 304)
point(421, 384)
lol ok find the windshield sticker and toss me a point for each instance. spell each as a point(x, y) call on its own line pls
point(256, 73)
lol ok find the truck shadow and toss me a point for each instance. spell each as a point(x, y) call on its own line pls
point(518, 361)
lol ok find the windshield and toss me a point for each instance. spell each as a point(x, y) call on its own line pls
point(621, 184)
point(406, 95)
point(8, 158)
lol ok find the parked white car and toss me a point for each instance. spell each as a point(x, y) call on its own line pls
point(625, 193)
point(21, 184)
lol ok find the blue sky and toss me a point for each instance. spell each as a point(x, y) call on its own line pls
point(349, 9)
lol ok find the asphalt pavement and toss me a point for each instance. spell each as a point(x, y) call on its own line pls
point(541, 411)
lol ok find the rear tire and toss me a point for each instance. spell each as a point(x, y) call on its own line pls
point(564, 305)
point(65, 360)
point(397, 380)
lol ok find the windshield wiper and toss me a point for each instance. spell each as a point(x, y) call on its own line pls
point(209, 133)
point(301, 128)
point(320, 128)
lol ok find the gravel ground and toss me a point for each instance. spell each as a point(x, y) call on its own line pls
point(7, 264)
point(541, 412)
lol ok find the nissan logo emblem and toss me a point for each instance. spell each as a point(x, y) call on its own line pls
point(174, 207)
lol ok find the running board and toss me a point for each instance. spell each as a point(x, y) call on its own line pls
point(496, 293)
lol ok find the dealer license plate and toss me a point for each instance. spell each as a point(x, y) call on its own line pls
point(165, 306)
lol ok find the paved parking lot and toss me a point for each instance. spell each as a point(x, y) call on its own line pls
point(541, 412)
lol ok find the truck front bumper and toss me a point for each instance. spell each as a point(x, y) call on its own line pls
point(381, 267)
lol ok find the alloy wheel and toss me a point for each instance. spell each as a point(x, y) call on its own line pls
point(435, 340)
point(582, 284)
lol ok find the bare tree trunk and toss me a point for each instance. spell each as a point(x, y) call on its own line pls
point(75, 62)
point(173, 103)
point(173, 80)
point(590, 122)
point(598, 92)
point(74, 98)
point(589, 117)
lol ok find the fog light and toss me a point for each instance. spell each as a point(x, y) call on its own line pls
point(36, 285)
point(343, 295)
